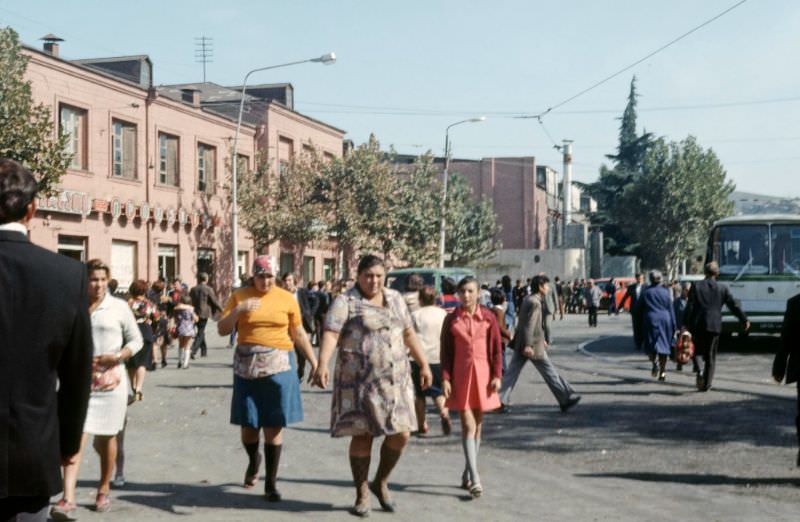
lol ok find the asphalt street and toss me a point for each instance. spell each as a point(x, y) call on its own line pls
point(634, 449)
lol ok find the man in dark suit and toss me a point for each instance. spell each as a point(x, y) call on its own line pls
point(307, 312)
point(787, 360)
point(632, 294)
point(205, 305)
point(703, 318)
point(45, 344)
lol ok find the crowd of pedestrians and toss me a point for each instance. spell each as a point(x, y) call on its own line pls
point(392, 351)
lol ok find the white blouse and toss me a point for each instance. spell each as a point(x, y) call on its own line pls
point(114, 327)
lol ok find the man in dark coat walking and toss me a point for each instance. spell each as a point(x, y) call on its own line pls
point(787, 360)
point(45, 356)
point(633, 293)
point(205, 305)
point(703, 318)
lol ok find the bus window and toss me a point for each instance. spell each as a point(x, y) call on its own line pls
point(786, 249)
point(742, 249)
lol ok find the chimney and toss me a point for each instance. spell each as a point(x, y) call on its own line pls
point(51, 44)
point(192, 96)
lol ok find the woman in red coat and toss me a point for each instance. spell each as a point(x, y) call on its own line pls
point(472, 370)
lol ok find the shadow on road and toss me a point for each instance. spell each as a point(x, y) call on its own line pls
point(180, 499)
point(698, 479)
point(758, 422)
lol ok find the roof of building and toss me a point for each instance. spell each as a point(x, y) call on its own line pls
point(225, 101)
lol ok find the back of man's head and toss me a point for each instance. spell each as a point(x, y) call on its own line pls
point(17, 189)
point(202, 277)
point(712, 269)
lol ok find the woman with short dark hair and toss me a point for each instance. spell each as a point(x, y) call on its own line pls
point(370, 329)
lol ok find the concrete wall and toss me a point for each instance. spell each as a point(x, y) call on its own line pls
point(522, 264)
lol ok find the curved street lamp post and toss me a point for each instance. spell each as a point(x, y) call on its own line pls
point(444, 183)
point(326, 59)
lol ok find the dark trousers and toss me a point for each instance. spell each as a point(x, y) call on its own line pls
point(636, 320)
point(24, 509)
point(797, 420)
point(200, 339)
point(592, 316)
point(705, 346)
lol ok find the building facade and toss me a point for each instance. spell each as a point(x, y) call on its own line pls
point(147, 190)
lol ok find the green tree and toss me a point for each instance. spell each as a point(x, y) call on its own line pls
point(613, 181)
point(283, 205)
point(26, 128)
point(471, 228)
point(682, 190)
point(417, 212)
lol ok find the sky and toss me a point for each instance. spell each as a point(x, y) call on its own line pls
point(407, 69)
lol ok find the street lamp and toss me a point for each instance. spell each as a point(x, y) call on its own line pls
point(446, 174)
point(325, 59)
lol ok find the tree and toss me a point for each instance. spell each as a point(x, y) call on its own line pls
point(613, 181)
point(26, 128)
point(682, 190)
point(283, 205)
point(472, 227)
point(418, 212)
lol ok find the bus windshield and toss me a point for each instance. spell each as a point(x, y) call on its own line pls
point(742, 250)
point(786, 249)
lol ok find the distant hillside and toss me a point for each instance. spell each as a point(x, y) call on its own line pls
point(749, 203)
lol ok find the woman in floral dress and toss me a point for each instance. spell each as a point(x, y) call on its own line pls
point(371, 329)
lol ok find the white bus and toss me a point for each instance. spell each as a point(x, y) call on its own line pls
point(759, 260)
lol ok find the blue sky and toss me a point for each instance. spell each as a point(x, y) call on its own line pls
point(431, 63)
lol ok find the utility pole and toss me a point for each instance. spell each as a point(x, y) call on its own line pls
point(204, 52)
point(566, 190)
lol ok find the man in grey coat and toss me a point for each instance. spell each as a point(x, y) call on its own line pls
point(205, 303)
point(529, 338)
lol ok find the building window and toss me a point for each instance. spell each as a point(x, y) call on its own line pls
point(168, 159)
point(328, 269)
point(73, 123)
point(287, 262)
point(206, 168)
point(242, 266)
point(72, 246)
point(167, 261)
point(243, 164)
point(309, 269)
point(123, 263)
point(205, 262)
point(285, 154)
point(124, 149)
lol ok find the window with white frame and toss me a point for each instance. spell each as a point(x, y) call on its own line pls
point(73, 123)
point(206, 167)
point(168, 159)
point(123, 149)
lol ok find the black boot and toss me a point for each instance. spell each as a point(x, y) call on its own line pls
point(379, 485)
point(273, 458)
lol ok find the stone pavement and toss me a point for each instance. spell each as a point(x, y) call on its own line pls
point(633, 449)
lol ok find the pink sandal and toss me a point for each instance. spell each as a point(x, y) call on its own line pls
point(102, 503)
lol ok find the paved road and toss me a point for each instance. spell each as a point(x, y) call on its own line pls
point(634, 449)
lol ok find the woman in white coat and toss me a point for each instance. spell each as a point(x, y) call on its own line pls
point(116, 339)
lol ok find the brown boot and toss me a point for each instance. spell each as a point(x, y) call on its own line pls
point(359, 466)
point(379, 485)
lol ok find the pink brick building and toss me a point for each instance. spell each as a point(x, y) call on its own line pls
point(147, 188)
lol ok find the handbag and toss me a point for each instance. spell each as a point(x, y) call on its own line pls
point(684, 350)
point(251, 361)
point(105, 379)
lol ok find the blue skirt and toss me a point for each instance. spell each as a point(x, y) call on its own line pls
point(269, 402)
